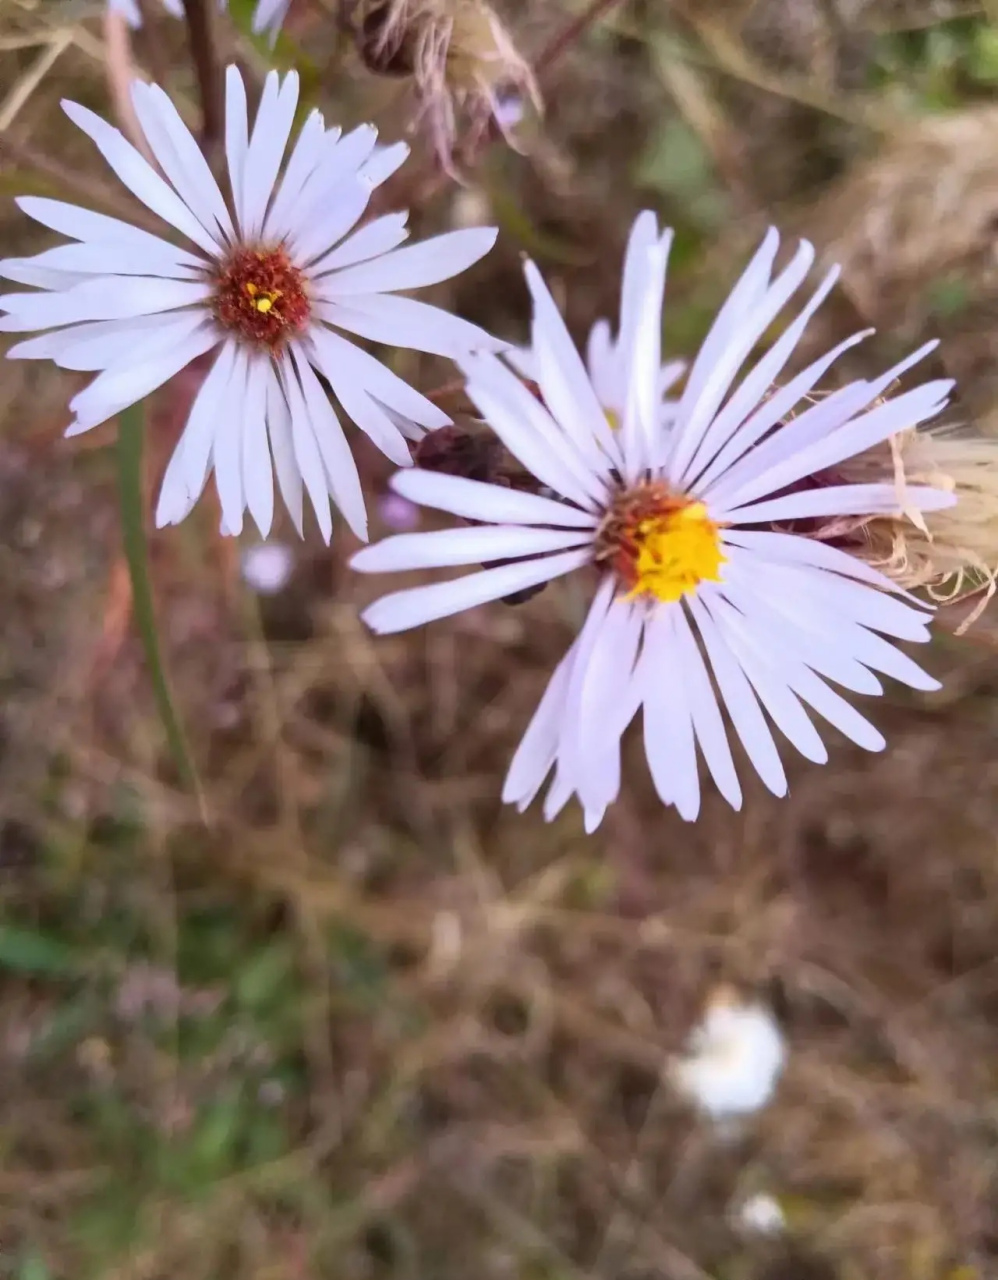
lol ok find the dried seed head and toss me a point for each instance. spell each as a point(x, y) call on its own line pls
point(951, 553)
point(467, 70)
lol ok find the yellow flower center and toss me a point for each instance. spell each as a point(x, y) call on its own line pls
point(660, 544)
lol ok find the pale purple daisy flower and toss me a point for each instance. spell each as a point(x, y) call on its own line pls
point(267, 17)
point(700, 603)
point(268, 280)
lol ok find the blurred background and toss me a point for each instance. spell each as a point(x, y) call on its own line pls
point(366, 1023)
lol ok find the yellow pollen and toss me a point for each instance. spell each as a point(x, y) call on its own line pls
point(266, 299)
point(613, 419)
point(676, 550)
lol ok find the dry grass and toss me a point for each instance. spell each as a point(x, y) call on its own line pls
point(370, 1024)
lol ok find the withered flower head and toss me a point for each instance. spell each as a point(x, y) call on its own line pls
point(465, 66)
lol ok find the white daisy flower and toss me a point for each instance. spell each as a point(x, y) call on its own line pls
point(735, 1058)
point(267, 17)
point(268, 279)
point(700, 603)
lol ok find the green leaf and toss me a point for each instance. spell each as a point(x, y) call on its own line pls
point(131, 426)
point(28, 951)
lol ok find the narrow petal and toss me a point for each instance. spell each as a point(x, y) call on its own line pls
point(376, 379)
point(384, 162)
point(836, 500)
point(155, 257)
point(708, 724)
point(258, 474)
point(97, 228)
point(341, 470)
point(305, 158)
point(449, 547)
point(348, 385)
point(227, 450)
point(99, 343)
point(311, 236)
point(416, 265)
point(308, 459)
point(404, 322)
point(491, 502)
point(271, 131)
point(758, 383)
point(563, 379)
point(694, 417)
point(209, 408)
point(140, 178)
point(741, 703)
point(376, 237)
point(236, 138)
point(289, 478)
point(872, 428)
point(411, 608)
point(670, 745)
point(99, 299)
point(535, 755)
point(116, 389)
point(180, 158)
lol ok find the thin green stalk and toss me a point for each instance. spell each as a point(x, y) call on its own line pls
point(131, 430)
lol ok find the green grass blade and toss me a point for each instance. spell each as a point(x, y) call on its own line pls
point(131, 428)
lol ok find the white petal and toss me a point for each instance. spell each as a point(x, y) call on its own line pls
point(271, 132)
point(384, 162)
point(227, 450)
point(540, 458)
point(236, 138)
point(180, 157)
point(770, 676)
point(789, 548)
point(448, 547)
point(536, 753)
point(404, 322)
point(211, 405)
point(258, 475)
point(305, 158)
point(104, 298)
point(375, 378)
point(729, 324)
point(411, 608)
point(312, 236)
point(289, 478)
point(707, 722)
point(98, 229)
point(563, 379)
point(416, 265)
point(643, 237)
point(99, 343)
point(140, 178)
point(694, 416)
point(122, 259)
point(670, 746)
point(370, 241)
point(308, 459)
point(757, 383)
point(489, 502)
point(116, 389)
point(854, 437)
point(748, 720)
point(529, 431)
point(812, 426)
point(341, 470)
point(642, 440)
point(346, 376)
point(606, 687)
point(836, 500)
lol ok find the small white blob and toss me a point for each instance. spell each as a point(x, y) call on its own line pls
point(761, 1215)
point(734, 1059)
point(267, 567)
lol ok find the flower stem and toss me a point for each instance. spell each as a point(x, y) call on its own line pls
point(563, 40)
point(131, 428)
point(201, 37)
